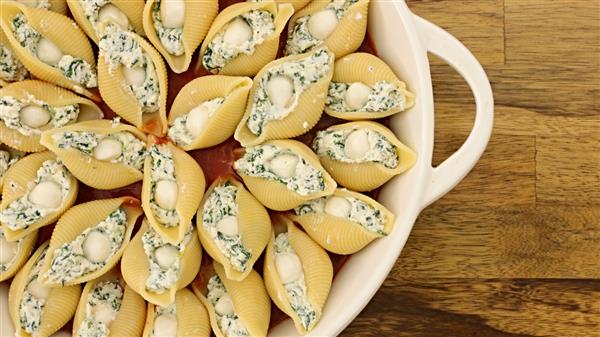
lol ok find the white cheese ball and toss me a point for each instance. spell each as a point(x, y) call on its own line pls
point(357, 95)
point(172, 13)
point(8, 250)
point(288, 267)
point(134, 76)
point(322, 24)
point(357, 144)
point(38, 290)
point(281, 91)
point(108, 149)
point(103, 313)
point(228, 226)
point(34, 116)
point(48, 52)
point(166, 255)
point(165, 326)
point(284, 165)
point(338, 206)
point(46, 194)
point(224, 305)
point(113, 13)
point(96, 247)
point(237, 32)
point(165, 194)
point(197, 119)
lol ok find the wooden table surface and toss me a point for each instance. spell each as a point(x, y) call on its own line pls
point(514, 250)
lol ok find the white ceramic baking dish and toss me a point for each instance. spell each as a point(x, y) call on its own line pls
point(403, 41)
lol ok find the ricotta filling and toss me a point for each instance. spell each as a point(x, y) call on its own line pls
point(162, 276)
point(72, 260)
point(11, 113)
point(355, 210)
point(356, 146)
point(303, 178)
point(295, 288)
point(170, 37)
point(132, 149)
point(73, 68)
point(186, 128)
point(9, 250)
point(162, 170)
point(93, 10)
point(228, 321)
point(23, 212)
point(300, 39)
point(103, 305)
point(301, 73)
point(241, 35)
point(383, 96)
point(220, 208)
point(6, 161)
point(11, 69)
point(34, 299)
point(120, 49)
point(165, 321)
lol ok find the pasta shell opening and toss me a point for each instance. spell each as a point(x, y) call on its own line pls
point(22, 251)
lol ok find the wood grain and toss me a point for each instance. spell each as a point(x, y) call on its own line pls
point(514, 249)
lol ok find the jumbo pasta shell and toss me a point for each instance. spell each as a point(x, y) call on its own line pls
point(297, 4)
point(316, 266)
point(253, 223)
point(192, 318)
point(367, 176)
point(198, 18)
point(135, 268)
point(20, 73)
point(96, 173)
point(58, 6)
point(222, 123)
point(300, 119)
point(84, 216)
point(24, 250)
point(58, 309)
point(18, 181)
point(277, 196)
point(190, 185)
point(131, 8)
point(339, 235)
point(243, 64)
point(129, 320)
point(59, 29)
point(367, 69)
point(51, 94)
point(350, 31)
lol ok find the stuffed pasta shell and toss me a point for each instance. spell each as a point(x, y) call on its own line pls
point(207, 110)
point(102, 154)
point(89, 240)
point(38, 189)
point(340, 25)
point(37, 310)
point(362, 155)
point(244, 37)
point(109, 308)
point(176, 28)
point(8, 157)
point(12, 70)
point(287, 97)
point(132, 78)
point(157, 269)
point(233, 227)
point(186, 317)
point(235, 308)
point(28, 108)
point(282, 174)
point(171, 191)
point(51, 46)
point(364, 87)
point(13, 254)
point(58, 6)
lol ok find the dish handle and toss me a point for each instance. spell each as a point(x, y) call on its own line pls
point(448, 174)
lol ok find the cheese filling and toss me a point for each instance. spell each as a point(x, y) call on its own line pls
point(280, 87)
point(165, 321)
point(51, 186)
point(6, 161)
point(356, 146)
point(31, 116)
point(220, 220)
point(9, 250)
point(34, 299)
point(239, 36)
point(168, 17)
point(164, 190)
point(97, 11)
point(11, 69)
point(186, 128)
point(357, 96)
point(89, 251)
point(281, 165)
point(103, 305)
point(228, 321)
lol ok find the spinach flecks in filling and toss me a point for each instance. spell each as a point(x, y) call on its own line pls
point(170, 38)
point(383, 97)
point(6, 161)
point(11, 69)
point(10, 109)
point(106, 294)
point(91, 9)
point(31, 307)
point(230, 324)
point(163, 168)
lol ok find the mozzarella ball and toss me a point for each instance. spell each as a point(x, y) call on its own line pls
point(197, 119)
point(166, 255)
point(228, 226)
point(281, 91)
point(48, 52)
point(96, 247)
point(338, 206)
point(322, 24)
point(113, 13)
point(38, 290)
point(8, 250)
point(34, 116)
point(237, 32)
point(103, 313)
point(172, 13)
point(357, 145)
point(46, 194)
point(288, 267)
point(108, 149)
point(134, 76)
point(165, 326)
point(224, 305)
point(357, 95)
point(166, 194)
point(284, 165)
